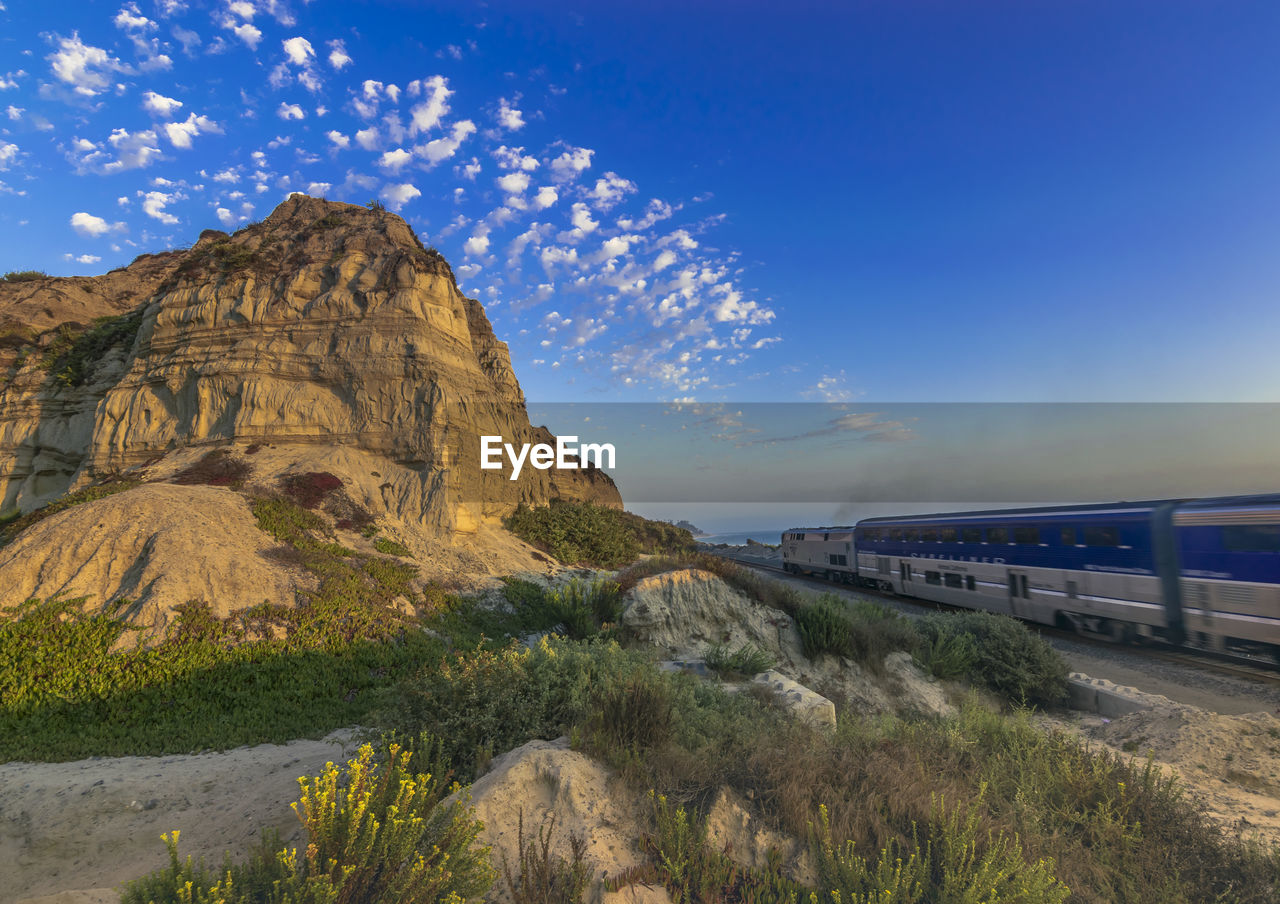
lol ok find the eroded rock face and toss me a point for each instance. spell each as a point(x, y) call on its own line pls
point(326, 324)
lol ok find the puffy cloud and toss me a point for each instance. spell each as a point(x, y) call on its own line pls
point(395, 160)
point(130, 18)
point(583, 225)
point(444, 148)
point(338, 57)
point(15, 112)
point(368, 138)
point(610, 190)
point(477, 245)
point(554, 254)
point(508, 116)
point(8, 154)
point(732, 309)
point(545, 197)
point(513, 183)
point(290, 111)
point(134, 150)
point(656, 211)
point(664, 260)
point(230, 175)
point(319, 189)
point(189, 40)
point(159, 105)
point(181, 133)
point(400, 195)
point(225, 217)
point(427, 114)
point(83, 258)
point(86, 68)
point(154, 203)
point(250, 34)
point(339, 140)
point(299, 51)
point(571, 163)
point(89, 226)
point(242, 8)
point(514, 158)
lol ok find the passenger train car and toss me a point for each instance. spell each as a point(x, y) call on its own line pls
point(1203, 571)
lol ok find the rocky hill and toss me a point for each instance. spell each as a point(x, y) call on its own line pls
point(325, 339)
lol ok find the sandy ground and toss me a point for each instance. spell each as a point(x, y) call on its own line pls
point(95, 823)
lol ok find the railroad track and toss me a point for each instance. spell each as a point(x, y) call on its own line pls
point(1238, 666)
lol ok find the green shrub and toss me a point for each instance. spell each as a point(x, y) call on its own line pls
point(390, 547)
point(744, 662)
point(589, 534)
point(950, 863)
point(71, 356)
point(376, 834)
point(1002, 654)
point(25, 275)
point(635, 716)
point(484, 702)
point(825, 627)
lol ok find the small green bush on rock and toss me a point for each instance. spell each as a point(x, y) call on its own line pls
point(1000, 653)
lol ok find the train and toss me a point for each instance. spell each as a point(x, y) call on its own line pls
point(1195, 572)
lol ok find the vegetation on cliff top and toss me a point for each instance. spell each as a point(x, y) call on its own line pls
point(582, 533)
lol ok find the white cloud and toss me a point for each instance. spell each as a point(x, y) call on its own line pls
point(242, 8)
point(226, 217)
point(83, 258)
point(189, 40)
point(509, 117)
point(427, 115)
point(249, 34)
point(130, 18)
point(181, 133)
point(444, 148)
point(84, 67)
point(15, 112)
point(134, 150)
point(664, 260)
point(368, 138)
point(545, 197)
point(732, 309)
point(89, 226)
point(299, 51)
point(230, 175)
point(159, 105)
point(290, 111)
point(513, 183)
point(319, 189)
point(568, 165)
point(395, 160)
point(338, 57)
point(8, 154)
point(399, 195)
point(339, 140)
point(610, 190)
point(583, 225)
point(477, 245)
point(154, 203)
point(514, 158)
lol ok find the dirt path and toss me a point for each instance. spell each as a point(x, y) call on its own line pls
point(92, 824)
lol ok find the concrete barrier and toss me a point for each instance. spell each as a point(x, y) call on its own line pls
point(1096, 695)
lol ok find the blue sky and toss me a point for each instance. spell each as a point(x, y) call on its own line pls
point(859, 202)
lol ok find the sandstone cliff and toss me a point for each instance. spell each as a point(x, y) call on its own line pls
point(324, 339)
point(326, 324)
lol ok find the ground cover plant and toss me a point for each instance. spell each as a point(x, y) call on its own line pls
point(582, 533)
point(70, 357)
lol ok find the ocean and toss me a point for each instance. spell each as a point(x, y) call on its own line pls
point(770, 536)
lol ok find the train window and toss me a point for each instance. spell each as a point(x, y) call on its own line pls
point(948, 535)
point(1068, 536)
point(929, 535)
point(953, 580)
point(970, 583)
point(1251, 537)
point(911, 535)
point(1026, 536)
point(997, 535)
point(895, 534)
point(971, 535)
point(1102, 536)
point(933, 577)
